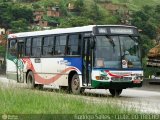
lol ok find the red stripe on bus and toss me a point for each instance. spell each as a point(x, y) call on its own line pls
point(114, 75)
point(40, 79)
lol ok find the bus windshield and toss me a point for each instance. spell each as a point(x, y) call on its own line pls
point(114, 49)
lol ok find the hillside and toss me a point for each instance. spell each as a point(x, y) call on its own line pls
point(33, 15)
point(136, 4)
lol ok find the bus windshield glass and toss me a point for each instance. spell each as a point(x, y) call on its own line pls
point(114, 49)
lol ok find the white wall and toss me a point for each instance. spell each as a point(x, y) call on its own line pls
point(2, 31)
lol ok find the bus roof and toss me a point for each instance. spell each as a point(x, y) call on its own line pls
point(88, 28)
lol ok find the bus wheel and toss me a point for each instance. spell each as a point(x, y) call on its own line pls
point(75, 84)
point(30, 80)
point(115, 92)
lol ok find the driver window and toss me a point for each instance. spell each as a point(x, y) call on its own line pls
point(13, 47)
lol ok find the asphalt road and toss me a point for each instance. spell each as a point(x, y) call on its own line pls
point(136, 99)
point(145, 99)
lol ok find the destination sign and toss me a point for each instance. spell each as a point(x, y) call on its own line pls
point(121, 30)
point(102, 30)
point(109, 30)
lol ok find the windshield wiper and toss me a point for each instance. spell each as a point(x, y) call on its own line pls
point(133, 38)
point(110, 40)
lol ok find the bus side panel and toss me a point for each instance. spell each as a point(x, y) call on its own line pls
point(75, 64)
point(11, 70)
point(54, 71)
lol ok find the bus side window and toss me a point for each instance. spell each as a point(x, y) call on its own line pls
point(63, 41)
point(56, 45)
point(28, 47)
point(73, 45)
point(50, 45)
point(21, 47)
point(36, 47)
point(60, 45)
point(13, 47)
point(47, 47)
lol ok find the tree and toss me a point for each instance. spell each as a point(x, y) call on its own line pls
point(145, 20)
point(79, 6)
point(19, 25)
point(10, 13)
point(76, 21)
point(22, 12)
point(63, 7)
point(5, 15)
point(27, 0)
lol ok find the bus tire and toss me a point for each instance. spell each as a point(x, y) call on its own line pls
point(75, 85)
point(115, 92)
point(30, 80)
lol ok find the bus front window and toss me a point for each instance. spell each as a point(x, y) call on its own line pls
point(130, 51)
point(112, 51)
point(108, 50)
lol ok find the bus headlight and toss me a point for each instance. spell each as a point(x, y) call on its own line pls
point(102, 78)
point(138, 78)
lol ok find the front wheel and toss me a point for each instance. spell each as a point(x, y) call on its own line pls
point(115, 92)
point(75, 85)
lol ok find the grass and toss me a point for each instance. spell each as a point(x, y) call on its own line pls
point(23, 101)
point(27, 101)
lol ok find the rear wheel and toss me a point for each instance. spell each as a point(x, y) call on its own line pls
point(30, 80)
point(75, 85)
point(115, 92)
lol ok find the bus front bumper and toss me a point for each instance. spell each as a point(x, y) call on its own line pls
point(114, 85)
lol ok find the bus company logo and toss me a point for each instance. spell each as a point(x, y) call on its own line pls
point(64, 62)
point(103, 73)
point(4, 117)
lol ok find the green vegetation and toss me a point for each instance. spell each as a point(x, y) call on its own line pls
point(137, 4)
point(24, 101)
point(147, 19)
point(2, 50)
point(17, 15)
point(13, 15)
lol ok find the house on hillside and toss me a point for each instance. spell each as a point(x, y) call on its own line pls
point(71, 7)
point(2, 31)
point(53, 11)
point(38, 15)
point(3, 42)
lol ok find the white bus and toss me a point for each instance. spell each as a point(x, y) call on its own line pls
point(94, 57)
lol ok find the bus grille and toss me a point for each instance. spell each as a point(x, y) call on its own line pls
point(121, 79)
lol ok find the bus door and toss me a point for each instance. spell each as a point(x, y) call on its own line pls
point(87, 61)
point(11, 61)
point(20, 75)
